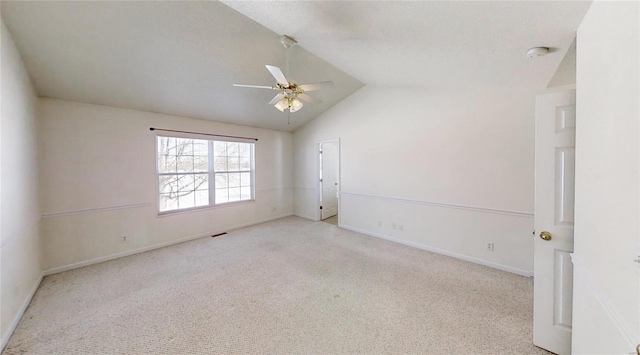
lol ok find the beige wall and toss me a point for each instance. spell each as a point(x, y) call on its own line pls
point(99, 183)
point(19, 207)
point(454, 167)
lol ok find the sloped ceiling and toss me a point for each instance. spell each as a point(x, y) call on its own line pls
point(182, 58)
point(430, 44)
point(177, 58)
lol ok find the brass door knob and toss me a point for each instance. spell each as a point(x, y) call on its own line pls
point(545, 235)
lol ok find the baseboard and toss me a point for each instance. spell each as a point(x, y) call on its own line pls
point(442, 252)
point(80, 264)
point(18, 316)
point(305, 217)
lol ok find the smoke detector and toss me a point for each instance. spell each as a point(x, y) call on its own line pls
point(537, 52)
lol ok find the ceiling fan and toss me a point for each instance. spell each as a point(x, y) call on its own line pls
point(291, 95)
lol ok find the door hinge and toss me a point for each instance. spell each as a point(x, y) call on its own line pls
point(320, 180)
point(320, 207)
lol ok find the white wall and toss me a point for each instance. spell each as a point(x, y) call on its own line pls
point(19, 207)
point(566, 72)
point(98, 183)
point(606, 296)
point(454, 167)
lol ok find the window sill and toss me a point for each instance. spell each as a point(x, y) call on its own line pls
point(202, 208)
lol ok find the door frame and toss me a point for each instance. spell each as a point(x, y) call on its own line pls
point(317, 177)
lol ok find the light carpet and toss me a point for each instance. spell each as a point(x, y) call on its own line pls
point(287, 286)
point(333, 220)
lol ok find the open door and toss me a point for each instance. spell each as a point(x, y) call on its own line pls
point(554, 210)
point(329, 160)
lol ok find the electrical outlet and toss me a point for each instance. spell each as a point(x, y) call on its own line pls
point(124, 239)
point(490, 246)
point(273, 209)
point(401, 228)
point(394, 226)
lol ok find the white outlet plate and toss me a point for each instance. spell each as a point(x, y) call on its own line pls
point(490, 246)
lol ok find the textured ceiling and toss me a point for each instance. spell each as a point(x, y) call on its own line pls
point(182, 58)
point(429, 44)
point(177, 58)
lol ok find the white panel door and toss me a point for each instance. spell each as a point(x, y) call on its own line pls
point(329, 179)
point(554, 203)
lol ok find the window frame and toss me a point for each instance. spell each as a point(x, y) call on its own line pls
point(211, 174)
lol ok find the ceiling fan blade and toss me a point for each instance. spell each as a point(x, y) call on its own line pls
point(254, 86)
point(277, 73)
point(318, 86)
point(310, 99)
point(276, 99)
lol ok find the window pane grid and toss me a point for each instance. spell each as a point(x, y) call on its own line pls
point(195, 173)
point(233, 174)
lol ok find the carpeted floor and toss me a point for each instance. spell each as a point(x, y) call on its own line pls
point(333, 220)
point(287, 286)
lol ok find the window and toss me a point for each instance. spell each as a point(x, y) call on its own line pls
point(196, 173)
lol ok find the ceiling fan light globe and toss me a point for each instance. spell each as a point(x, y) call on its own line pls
point(282, 105)
point(295, 105)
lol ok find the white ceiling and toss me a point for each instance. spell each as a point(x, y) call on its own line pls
point(177, 58)
point(428, 43)
point(182, 57)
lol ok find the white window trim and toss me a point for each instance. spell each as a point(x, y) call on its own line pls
point(211, 176)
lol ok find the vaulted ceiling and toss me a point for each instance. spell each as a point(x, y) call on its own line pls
point(430, 44)
point(182, 58)
point(178, 58)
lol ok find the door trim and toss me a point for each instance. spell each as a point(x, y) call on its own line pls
point(318, 190)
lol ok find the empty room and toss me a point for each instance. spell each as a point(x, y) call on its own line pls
point(438, 177)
